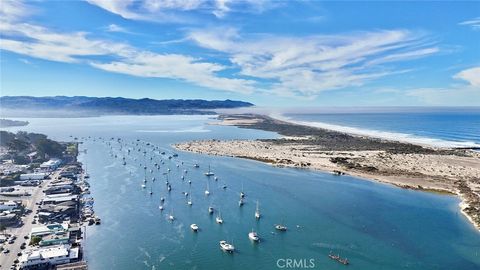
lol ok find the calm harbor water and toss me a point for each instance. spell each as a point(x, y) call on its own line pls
point(375, 226)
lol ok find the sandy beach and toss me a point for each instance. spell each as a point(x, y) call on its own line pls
point(455, 171)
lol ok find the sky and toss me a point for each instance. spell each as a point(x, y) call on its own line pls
point(270, 53)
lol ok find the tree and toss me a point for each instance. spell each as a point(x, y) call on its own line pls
point(18, 145)
point(35, 240)
point(49, 147)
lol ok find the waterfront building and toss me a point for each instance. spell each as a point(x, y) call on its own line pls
point(45, 257)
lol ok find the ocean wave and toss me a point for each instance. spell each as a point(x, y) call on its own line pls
point(386, 135)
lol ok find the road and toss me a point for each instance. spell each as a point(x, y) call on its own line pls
point(6, 260)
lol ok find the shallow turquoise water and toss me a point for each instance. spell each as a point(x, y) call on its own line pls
point(375, 226)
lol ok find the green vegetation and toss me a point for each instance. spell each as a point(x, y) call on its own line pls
point(72, 149)
point(49, 147)
point(35, 240)
point(23, 143)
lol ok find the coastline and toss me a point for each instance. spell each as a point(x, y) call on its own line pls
point(405, 165)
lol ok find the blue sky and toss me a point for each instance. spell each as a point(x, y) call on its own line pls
point(271, 53)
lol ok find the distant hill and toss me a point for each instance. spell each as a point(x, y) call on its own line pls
point(12, 123)
point(62, 106)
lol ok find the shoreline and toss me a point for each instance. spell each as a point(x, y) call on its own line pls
point(405, 165)
point(383, 135)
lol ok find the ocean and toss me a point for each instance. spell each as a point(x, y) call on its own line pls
point(375, 226)
point(447, 127)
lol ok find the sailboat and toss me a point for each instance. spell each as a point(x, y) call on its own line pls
point(171, 217)
point(151, 191)
point(145, 174)
point(240, 202)
point(253, 236)
point(242, 194)
point(189, 202)
point(207, 192)
point(219, 219)
point(210, 210)
point(257, 212)
point(209, 173)
point(85, 174)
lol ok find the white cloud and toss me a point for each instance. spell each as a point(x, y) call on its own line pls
point(174, 66)
point(78, 47)
point(312, 64)
point(471, 75)
point(221, 8)
point(62, 47)
point(473, 23)
point(468, 95)
point(116, 28)
point(174, 11)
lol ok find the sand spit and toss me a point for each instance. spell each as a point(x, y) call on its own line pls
point(455, 171)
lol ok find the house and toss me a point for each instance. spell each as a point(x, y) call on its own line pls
point(46, 257)
point(8, 219)
point(8, 206)
point(32, 156)
point(52, 234)
point(59, 198)
point(51, 165)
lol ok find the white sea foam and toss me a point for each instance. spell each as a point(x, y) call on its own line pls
point(386, 135)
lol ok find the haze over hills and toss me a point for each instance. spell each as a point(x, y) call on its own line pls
point(63, 106)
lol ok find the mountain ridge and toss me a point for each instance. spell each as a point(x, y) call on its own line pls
point(91, 106)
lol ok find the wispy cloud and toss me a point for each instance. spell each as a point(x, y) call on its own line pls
point(309, 65)
point(174, 66)
point(78, 47)
point(116, 29)
point(473, 23)
point(177, 11)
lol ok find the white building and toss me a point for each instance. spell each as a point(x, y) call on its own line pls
point(48, 256)
point(32, 176)
point(8, 206)
point(50, 165)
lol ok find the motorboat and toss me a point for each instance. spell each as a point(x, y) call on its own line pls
point(280, 227)
point(210, 210)
point(194, 227)
point(226, 246)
